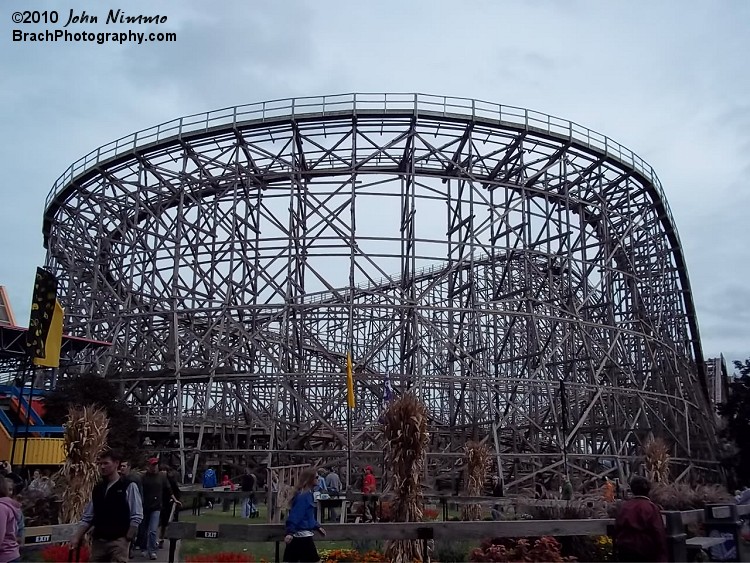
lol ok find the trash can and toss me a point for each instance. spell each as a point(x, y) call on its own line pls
point(722, 521)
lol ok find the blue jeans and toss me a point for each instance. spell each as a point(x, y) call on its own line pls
point(248, 506)
point(151, 531)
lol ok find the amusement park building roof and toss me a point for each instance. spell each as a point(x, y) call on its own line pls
point(13, 342)
point(13, 337)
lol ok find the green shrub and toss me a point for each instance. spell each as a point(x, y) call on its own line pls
point(363, 546)
point(446, 550)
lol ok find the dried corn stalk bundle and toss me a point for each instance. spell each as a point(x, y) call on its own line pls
point(477, 456)
point(656, 454)
point(85, 438)
point(404, 428)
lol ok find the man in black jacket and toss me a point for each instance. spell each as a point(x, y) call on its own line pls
point(114, 512)
point(155, 488)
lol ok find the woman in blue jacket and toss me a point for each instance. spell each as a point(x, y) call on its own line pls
point(302, 523)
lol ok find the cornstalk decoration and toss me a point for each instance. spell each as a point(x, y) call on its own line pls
point(656, 457)
point(477, 456)
point(404, 428)
point(85, 438)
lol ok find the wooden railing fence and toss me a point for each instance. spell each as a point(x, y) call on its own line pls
point(722, 519)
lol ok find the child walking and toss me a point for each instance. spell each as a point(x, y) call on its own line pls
point(302, 523)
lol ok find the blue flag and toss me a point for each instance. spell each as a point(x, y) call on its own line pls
point(387, 389)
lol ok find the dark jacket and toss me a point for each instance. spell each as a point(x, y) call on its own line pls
point(173, 490)
point(247, 483)
point(155, 487)
point(135, 478)
point(111, 510)
point(639, 530)
point(302, 514)
point(175, 486)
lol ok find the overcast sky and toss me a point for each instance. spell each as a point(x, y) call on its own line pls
point(670, 80)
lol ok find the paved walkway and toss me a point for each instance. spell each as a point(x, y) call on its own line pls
point(162, 555)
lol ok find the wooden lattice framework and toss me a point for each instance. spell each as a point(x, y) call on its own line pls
point(287, 479)
point(522, 273)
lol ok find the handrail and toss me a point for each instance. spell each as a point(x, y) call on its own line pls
point(57, 533)
point(355, 103)
point(20, 394)
point(400, 530)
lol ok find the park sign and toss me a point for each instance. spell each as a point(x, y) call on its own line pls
point(42, 311)
point(207, 531)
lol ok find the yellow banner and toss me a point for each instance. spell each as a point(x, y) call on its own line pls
point(54, 340)
point(349, 381)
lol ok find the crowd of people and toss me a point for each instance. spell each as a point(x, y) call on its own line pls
point(328, 484)
point(129, 510)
